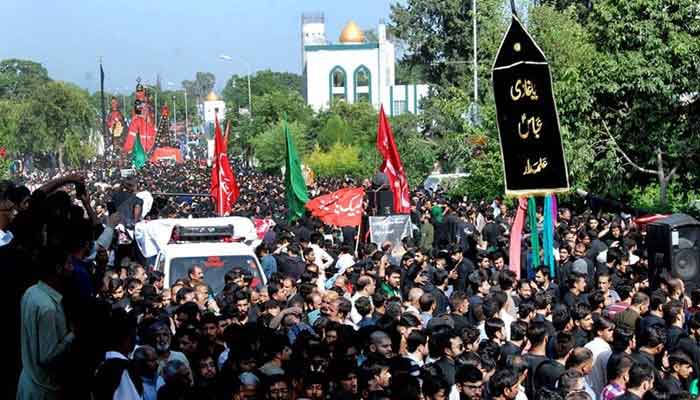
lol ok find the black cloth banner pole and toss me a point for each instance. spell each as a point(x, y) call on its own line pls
point(102, 102)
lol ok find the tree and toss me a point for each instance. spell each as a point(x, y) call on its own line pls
point(263, 82)
point(335, 131)
point(645, 86)
point(270, 148)
point(201, 86)
point(60, 111)
point(436, 37)
point(20, 78)
point(272, 107)
point(339, 160)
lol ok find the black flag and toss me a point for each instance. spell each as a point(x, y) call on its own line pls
point(102, 102)
point(528, 123)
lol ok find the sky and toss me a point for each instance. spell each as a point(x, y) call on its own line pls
point(174, 38)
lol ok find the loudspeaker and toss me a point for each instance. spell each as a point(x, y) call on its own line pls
point(385, 202)
point(673, 247)
point(380, 202)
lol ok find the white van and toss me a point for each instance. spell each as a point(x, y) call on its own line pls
point(217, 245)
point(443, 181)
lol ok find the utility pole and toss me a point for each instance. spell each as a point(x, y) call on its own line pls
point(185, 112)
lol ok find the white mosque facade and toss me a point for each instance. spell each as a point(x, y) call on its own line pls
point(354, 69)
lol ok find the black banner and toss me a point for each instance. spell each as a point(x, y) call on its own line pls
point(392, 228)
point(528, 123)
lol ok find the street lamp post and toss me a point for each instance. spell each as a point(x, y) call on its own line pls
point(250, 96)
point(174, 115)
point(185, 112)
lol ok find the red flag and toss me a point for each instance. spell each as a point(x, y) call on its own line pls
point(224, 188)
point(341, 208)
point(392, 166)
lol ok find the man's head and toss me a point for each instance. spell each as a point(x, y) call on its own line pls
point(542, 277)
point(604, 282)
point(571, 381)
point(641, 378)
point(177, 374)
point(504, 384)
point(448, 344)
point(524, 289)
point(146, 361)
point(393, 277)
point(459, 302)
point(652, 339)
point(537, 333)
point(196, 273)
point(603, 328)
point(366, 284)
point(640, 301)
point(380, 344)
point(564, 344)
point(580, 359)
point(206, 367)
point(470, 382)
point(159, 337)
point(8, 209)
point(582, 316)
point(681, 365)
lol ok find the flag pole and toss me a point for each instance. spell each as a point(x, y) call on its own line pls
point(102, 104)
point(357, 239)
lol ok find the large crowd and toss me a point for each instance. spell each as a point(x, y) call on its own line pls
point(439, 316)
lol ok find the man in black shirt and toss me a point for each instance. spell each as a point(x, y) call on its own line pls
point(680, 369)
point(549, 371)
point(641, 380)
point(491, 232)
point(537, 335)
point(449, 346)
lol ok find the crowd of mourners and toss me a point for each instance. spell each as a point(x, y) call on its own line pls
point(441, 315)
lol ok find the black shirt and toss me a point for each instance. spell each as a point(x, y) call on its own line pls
point(628, 396)
point(491, 233)
point(448, 369)
point(547, 374)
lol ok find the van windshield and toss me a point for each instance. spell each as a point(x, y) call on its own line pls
point(215, 268)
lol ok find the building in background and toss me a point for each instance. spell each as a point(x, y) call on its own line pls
point(214, 106)
point(354, 69)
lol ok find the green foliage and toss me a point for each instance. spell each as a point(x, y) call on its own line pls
point(646, 71)
point(263, 82)
point(270, 149)
point(437, 37)
point(273, 107)
point(20, 78)
point(335, 131)
point(338, 161)
point(418, 156)
point(647, 198)
point(486, 174)
point(200, 86)
point(360, 118)
point(77, 150)
point(5, 164)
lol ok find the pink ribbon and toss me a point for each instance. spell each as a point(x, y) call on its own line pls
point(516, 234)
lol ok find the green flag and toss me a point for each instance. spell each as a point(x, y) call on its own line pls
point(138, 155)
point(297, 196)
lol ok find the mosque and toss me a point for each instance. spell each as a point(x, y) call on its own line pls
point(354, 69)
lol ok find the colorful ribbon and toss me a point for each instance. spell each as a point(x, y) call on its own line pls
point(548, 234)
point(516, 234)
